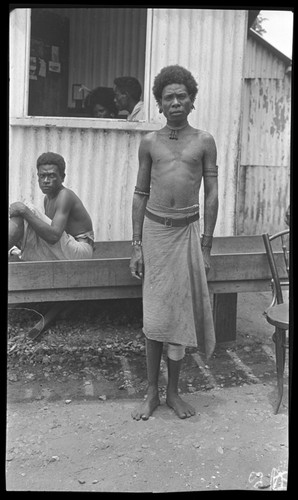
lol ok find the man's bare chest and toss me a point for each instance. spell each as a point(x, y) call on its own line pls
point(185, 151)
point(50, 207)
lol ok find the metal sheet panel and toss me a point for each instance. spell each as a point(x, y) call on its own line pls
point(266, 196)
point(101, 168)
point(264, 176)
point(210, 43)
point(260, 62)
point(266, 122)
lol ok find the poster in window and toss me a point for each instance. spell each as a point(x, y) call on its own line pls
point(55, 67)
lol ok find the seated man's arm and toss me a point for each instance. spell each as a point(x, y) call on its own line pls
point(50, 233)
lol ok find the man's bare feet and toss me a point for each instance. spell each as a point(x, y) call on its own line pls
point(145, 409)
point(180, 407)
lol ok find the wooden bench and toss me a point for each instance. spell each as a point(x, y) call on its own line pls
point(238, 264)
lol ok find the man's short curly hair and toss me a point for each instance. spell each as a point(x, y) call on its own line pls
point(52, 159)
point(174, 74)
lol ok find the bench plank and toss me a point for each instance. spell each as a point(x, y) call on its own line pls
point(115, 272)
point(238, 264)
point(221, 245)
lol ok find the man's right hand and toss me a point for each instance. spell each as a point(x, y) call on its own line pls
point(136, 265)
point(206, 256)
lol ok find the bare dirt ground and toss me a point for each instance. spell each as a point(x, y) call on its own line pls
point(70, 397)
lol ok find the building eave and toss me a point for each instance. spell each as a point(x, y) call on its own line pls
point(252, 33)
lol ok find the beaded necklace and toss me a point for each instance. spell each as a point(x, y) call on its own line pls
point(174, 131)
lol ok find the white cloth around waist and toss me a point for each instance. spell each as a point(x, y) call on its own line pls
point(35, 248)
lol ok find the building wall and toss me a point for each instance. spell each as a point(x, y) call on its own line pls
point(264, 174)
point(102, 157)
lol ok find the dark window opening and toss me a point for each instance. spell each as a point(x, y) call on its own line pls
point(76, 54)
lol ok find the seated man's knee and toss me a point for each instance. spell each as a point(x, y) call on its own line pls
point(176, 352)
point(16, 226)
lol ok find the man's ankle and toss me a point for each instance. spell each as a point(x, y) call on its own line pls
point(172, 391)
point(152, 389)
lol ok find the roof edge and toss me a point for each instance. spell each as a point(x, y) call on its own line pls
point(268, 45)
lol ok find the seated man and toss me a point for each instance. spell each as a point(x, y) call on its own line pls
point(128, 91)
point(64, 232)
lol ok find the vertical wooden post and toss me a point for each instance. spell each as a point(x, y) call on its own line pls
point(225, 316)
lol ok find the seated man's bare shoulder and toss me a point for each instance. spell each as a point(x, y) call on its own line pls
point(66, 197)
point(63, 202)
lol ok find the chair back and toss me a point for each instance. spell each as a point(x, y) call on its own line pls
point(277, 246)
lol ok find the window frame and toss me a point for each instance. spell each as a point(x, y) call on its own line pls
point(24, 119)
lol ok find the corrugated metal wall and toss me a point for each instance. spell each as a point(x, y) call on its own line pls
point(264, 175)
point(260, 62)
point(101, 167)
point(102, 164)
point(210, 43)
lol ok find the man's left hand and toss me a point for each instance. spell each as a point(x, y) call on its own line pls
point(17, 209)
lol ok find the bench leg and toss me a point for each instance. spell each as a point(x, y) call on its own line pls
point(225, 316)
point(44, 323)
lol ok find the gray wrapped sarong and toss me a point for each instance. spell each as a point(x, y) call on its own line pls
point(176, 302)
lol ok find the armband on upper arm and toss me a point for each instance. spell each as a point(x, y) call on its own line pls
point(141, 192)
point(211, 172)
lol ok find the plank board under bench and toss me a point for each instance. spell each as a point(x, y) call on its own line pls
point(229, 273)
point(238, 264)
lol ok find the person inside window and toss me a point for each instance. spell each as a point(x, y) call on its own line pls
point(100, 103)
point(127, 97)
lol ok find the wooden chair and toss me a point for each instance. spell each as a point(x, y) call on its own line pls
point(277, 314)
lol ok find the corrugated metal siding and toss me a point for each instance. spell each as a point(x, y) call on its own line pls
point(264, 175)
point(210, 43)
point(101, 167)
point(266, 122)
point(265, 192)
point(260, 62)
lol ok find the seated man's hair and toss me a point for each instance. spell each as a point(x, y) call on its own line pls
point(174, 74)
point(52, 159)
point(130, 85)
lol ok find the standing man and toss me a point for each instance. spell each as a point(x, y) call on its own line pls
point(166, 248)
point(64, 231)
point(128, 91)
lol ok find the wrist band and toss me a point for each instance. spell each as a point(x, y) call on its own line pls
point(140, 191)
